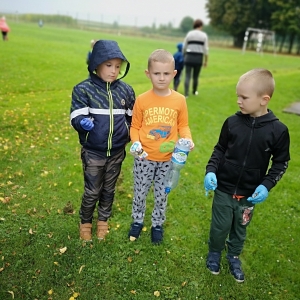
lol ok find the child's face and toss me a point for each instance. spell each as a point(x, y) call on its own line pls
point(109, 70)
point(249, 101)
point(161, 75)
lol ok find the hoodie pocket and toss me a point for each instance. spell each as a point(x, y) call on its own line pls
point(234, 174)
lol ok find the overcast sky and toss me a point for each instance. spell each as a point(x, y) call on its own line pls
point(125, 12)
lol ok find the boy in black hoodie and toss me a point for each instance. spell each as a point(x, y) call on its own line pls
point(101, 113)
point(238, 170)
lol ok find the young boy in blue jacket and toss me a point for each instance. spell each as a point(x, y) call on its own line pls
point(101, 113)
point(179, 64)
point(238, 170)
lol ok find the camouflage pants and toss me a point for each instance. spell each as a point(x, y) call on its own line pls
point(100, 178)
point(145, 173)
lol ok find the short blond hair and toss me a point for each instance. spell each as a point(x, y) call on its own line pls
point(162, 56)
point(264, 82)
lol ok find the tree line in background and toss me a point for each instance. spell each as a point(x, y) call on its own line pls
point(234, 16)
point(229, 19)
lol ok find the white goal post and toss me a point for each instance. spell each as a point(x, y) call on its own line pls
point(259, 35)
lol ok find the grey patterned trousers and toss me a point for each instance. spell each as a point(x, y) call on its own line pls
point(145, 173)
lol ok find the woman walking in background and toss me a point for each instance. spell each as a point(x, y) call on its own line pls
point(195, 51)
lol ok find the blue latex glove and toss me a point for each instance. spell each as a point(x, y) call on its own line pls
point(210, 182)
point(87, 124)
point(260, 194)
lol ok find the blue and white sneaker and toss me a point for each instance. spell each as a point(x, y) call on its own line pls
point(213, 262)
point(135, 231)
point(157, 234)
point(235, 268)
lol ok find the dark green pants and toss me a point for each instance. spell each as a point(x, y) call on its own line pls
point(230, 219)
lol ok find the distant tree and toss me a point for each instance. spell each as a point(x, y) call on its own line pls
point(234, 16)
point(115, 24)
point(286, 21)
point(186, 24)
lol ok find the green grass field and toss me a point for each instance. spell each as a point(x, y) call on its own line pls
point(40, 172)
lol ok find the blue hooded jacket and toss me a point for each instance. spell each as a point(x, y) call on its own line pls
point(178, 57)
point(108, 104)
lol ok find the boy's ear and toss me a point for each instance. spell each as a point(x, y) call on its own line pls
point(147, 73)
point(175, 72)
point(265, 100)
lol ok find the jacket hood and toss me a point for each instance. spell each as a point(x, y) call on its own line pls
point(259, 121)
point(104, 50)
point(180, 46)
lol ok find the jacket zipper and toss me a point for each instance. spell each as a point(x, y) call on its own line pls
point(111, 119)
point(246, 156)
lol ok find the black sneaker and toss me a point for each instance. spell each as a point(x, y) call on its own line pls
point(157, 234)
point(135, 231)
point(213, 262)
point(235, 268)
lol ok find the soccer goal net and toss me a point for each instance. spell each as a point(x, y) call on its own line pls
point(261, 37)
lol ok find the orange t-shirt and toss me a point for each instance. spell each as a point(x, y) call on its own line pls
point(158, 121)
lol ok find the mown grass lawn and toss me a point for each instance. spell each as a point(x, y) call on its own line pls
point(40, 175)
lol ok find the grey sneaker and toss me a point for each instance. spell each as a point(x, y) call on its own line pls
point(213, 262)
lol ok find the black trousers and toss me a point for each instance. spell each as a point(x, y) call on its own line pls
point(189, 69)
point(100, 178)
point(176, 80)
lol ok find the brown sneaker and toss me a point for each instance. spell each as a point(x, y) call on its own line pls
point(86, 232)
point(102, 229)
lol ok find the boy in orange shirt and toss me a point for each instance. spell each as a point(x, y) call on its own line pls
point(160, 117)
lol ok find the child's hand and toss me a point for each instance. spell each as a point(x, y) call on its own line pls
point(260, 194)
point(137, 151)
point(185, 140)
point(210, 182)
point(192, 145)
point(87, 124)
point(135, 148)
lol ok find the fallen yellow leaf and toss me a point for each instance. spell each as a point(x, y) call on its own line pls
point(81, 268)
point(50, 292)
point(12, 294)
point(156, 293)
point(63, 250)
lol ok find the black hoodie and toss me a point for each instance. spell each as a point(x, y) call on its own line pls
point(241, 157)
point(109, 104)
